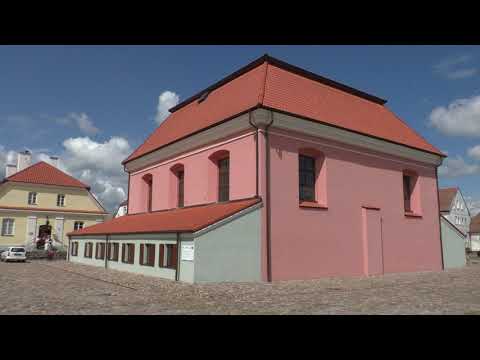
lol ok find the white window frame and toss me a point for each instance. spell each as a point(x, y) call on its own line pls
point(34, 195)
point(6, 227)
point(61, 196)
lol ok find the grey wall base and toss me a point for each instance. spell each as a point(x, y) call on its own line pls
point(453, 246)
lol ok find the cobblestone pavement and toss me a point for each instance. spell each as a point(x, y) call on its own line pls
point(59, 287)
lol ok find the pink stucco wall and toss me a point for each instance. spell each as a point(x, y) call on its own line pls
point(200, 176)
point(310, 242)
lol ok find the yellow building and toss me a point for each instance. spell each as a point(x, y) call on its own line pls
point(32, 196)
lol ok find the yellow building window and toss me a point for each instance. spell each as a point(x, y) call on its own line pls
point(32, 198)
point(8, 227)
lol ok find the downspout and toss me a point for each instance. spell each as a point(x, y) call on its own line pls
point(177, 269)
point(256, 152)
point(439, 219)
point(267, 174)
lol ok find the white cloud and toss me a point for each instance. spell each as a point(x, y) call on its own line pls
point(462, 73)
point(99, 165)
point(80, 120)
point(460, 118)
point(455, 167)
point(474, 152)
point(166, 100)
point(455, 68)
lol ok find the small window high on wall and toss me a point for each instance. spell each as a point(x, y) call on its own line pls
point(407, 193)
point(312, 178)
point(177, 186)
point(219, 176)
point(306, 178)
point(148, 181)
point(224, 179)
point(411, 193)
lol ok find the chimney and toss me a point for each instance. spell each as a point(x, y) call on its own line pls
point(24, 160)
point(54, 161)
point(10, 169)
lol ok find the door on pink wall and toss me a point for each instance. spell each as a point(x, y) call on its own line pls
point(372, 241)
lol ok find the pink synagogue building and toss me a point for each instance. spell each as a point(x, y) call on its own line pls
point(275, 173)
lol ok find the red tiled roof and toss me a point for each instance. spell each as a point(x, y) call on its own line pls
point(188, 219)
point(475, 224)
point(271, 83)
point(61, 210)
point(46, 174)
point(445, 197)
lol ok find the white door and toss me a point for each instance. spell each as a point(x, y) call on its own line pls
point(59, 229)
point(31, 230)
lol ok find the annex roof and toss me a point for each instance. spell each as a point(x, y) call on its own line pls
point(187, 219)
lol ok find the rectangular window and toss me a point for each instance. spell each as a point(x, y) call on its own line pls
point(407, 193)
point(78, 225)
point(60, 200)
point(113, 251)
point(180, 176)
point(168, 256)
point(88, 250)
point(147, 254)
point(74, 250)
point(224, 179)
point(306, 178)
point(100, 251)
point(32, 198)
point(128, 253)
point(8, 227)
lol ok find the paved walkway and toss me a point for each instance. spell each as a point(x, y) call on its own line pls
point(58, 287)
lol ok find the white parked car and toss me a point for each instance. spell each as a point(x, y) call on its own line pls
point(14, 253)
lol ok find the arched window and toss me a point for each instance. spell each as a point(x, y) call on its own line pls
point(148, 181)
point(411, 192)
point(178, 184)
point(312, 177)
point(220, 175)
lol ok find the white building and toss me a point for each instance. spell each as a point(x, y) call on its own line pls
point(122, 209)
point(475, 234)
point(455, 209)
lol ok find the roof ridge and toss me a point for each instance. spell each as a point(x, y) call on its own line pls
point(286, 66)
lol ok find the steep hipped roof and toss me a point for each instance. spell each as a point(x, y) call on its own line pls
point(475, 224)
point(187, 219)
point(446, 197)
point(45, 174)
point(276, 85)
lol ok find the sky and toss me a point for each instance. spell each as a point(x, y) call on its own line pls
point(93, 105)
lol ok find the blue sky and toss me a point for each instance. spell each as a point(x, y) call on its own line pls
point(65, 100)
